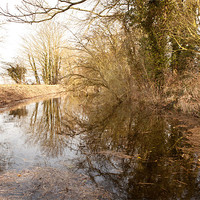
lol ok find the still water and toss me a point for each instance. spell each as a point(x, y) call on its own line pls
point(133, 152)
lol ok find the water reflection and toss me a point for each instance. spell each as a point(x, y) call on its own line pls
point(5, 156)
point(21, 112)
point(139, 157)
point(134, 152)
point(47, 128)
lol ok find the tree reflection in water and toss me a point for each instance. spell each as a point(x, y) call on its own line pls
point(47, 129)
point(133, 152)
point(136, 153)
point(20, 112)
point(55, 123)
point(5, 156)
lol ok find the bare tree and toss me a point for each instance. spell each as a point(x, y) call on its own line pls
point(44, 53)
point(102, 63)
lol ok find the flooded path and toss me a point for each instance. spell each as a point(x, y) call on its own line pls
point(70, 148)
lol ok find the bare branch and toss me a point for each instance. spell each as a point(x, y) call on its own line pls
point(38, 11)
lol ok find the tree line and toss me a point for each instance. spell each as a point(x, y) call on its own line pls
point(124, 43)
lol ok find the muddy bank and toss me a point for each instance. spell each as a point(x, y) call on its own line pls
point(48, 183)
point(11, 95)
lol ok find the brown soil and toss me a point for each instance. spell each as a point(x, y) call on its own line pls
point(11, 95)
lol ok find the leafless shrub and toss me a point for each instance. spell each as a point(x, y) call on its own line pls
point(184, 92)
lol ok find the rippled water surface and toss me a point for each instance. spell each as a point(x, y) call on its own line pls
point(133, 152)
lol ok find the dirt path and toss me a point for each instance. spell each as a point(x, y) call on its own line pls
point(11, 95)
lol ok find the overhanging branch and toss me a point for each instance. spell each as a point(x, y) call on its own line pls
point(38, 11)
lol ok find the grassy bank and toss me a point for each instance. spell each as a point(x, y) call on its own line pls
point(11, 94)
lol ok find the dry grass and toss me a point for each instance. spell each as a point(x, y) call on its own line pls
point(12, 94)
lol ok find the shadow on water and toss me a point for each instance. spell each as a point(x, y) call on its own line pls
point(133, 152)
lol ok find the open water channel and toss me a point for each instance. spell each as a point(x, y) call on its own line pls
point(129, 151)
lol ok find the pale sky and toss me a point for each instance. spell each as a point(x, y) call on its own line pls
point(12, 40)
point(12, 37)
point(13, 33)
